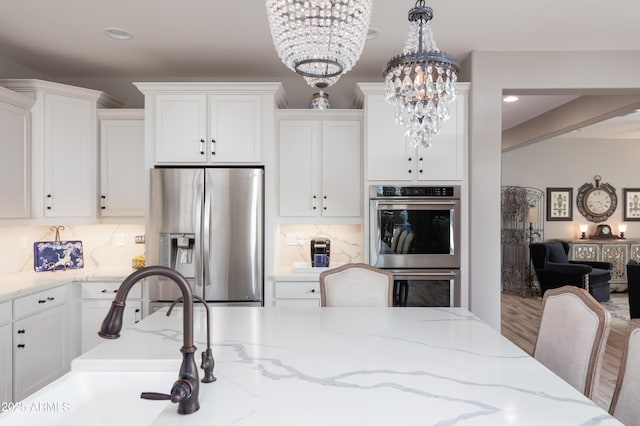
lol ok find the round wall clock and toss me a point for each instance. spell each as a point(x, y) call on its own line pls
point(597, 202)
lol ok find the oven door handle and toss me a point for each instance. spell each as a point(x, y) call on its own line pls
point(408, 275)
point(392, 203)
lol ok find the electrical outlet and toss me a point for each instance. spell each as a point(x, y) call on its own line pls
point(119, 239)
point(139, 239)
point(295, 238)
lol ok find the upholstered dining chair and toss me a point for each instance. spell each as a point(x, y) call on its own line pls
point(356, 284)
point(625, 403)
point(573, 334)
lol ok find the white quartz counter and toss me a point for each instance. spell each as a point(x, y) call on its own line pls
point(23, 283)
point(338, 366)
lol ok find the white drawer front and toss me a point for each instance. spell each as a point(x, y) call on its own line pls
point(297, 290)
point(6, 312)
point(107, 290)
point(41, 301)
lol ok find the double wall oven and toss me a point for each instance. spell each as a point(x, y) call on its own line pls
point(415, 233)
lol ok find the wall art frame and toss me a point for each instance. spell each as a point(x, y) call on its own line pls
point(631, 197)
point(559, 204)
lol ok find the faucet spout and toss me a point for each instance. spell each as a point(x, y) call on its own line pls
point(186, 389)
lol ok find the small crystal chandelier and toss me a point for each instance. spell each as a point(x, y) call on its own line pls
point(319, 39)
point(421, 82)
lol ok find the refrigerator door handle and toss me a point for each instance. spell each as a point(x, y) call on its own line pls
point(206, 236)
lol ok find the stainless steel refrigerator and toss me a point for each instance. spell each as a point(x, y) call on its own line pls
point(208, 224)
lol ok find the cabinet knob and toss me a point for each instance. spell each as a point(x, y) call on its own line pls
point(42, 301)
point(420, 171)
point(49, 197)
point(409, 159)
point(313, 290)
point(213, 147)
point(201, 146)
point(20, 345)
point(21, 331)
point(409, 170)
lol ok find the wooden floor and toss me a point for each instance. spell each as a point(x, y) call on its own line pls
point(520, 322)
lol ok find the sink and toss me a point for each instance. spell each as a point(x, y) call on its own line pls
point(94, 398)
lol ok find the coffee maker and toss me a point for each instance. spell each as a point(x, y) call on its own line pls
point(320, 253)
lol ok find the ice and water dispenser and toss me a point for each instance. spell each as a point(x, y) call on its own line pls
point(177, 251)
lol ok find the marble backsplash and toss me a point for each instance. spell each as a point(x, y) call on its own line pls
point(107, 248)
point(346, 243)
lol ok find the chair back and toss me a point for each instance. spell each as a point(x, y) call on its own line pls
point(356, 284)
point(625, 403)
point(573, 334)
point(550, 251)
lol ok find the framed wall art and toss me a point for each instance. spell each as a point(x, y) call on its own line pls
point(559, 204)
point(631, 204)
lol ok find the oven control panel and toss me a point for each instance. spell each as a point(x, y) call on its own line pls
point(450, 192)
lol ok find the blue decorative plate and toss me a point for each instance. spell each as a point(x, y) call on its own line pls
point(56, 255)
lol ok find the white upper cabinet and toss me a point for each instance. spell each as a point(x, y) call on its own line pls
point(64, 146)
point(320, 164)
point(389, 157)
point(122, 171)
point(208, 123)
point(15, 163)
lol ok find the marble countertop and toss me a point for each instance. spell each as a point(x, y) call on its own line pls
point(23, 283)
point(340, 366)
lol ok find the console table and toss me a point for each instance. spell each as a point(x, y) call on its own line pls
point(616, 251)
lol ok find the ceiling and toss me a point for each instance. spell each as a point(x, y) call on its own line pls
point(64, 39)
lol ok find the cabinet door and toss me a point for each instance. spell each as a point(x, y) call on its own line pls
point(41, 345)
point(444, 158)
point(341, 168)
point(69, 157)
point(15, 163)
point(181, 129)
point(235, 124)
point(122, 168)
point(6, 364)
point(299, 168)
point(389, 156)
point(93, 313)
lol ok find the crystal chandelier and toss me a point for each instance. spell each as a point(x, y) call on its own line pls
point(319, 39)
point(421, 81)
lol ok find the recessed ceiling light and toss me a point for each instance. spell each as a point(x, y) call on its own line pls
point(373, 33)
point(510, 98)
point(117, 33)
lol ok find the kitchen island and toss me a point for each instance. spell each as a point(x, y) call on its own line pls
point(318, 366)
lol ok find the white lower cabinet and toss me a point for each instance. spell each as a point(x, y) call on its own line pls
point(96, 301)
point(297, 293)
point(6, 353)
point(41, 340)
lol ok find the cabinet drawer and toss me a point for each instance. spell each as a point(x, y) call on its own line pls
point(6, 312)
point(298, 290)
point(107, 290)
point(41, 301)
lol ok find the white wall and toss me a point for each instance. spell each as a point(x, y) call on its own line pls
point(570, 163)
